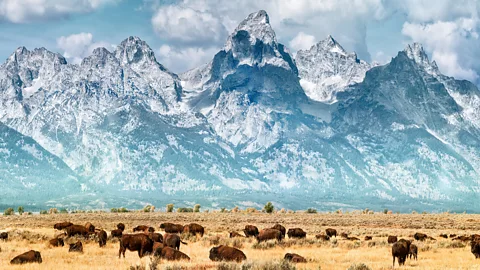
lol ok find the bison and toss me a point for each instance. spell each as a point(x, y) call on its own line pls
point(413, 252)
point(392, 239)
point(296, 233)
point(62, 225)
point(420, 236)
point(331, 232)
point(170, 254)
point(295, 258)
point(225, 253)
point(77, 230)
point(31, 256)
point(352, 238)
point(156, 237)
point(56, 242)
point(344, 235)
point(117, 233)
point(270, 234)
point(235, 234)
point(102, 238)
point(280, 228)
point(250, 230)
point(452, 235)
point(140, 228)
point(400, 250)
point(368, 238)
point(76, 247)
point(463, 238)
point(171, 228)
point(194, 228)
point(443, 235)
point(121, 226)
point(172, 240)
point(135, 242)
point(475, 248)
point(4, 236)
point(322, 237)
point(90, 227)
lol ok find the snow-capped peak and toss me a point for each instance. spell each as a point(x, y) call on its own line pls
point(416, 52)
point(331, 45)
point(134, 50)
point(257, 25)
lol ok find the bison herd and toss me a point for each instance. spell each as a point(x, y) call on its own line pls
point(145, 241)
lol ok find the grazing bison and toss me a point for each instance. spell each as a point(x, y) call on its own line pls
point(400, 250)
point(76, 247)
point(331, 232)
point(344, 235)
point(443, 235)
point(102, 238)
point(194, 229)
point(171, 228)
point(56, 242)
point(135, 242)
point(170, 254)
point(172, 240)
point(475, 237)
point(475, 248)
point(270, 234)
point(463, 238)
point(250, 230)
point(296, 233)
point(294, 258)
point(322, 237)
point(280, 228)
point(31, 256)
point(77, 230)
point(225, 253)
point(62, 225)
point(156, 237)
point(4, 236)
point(392, 239)
point(368, 238)
point(90, 227)
point(420, 236)
point(452, 235)
point(235, 234)
point(117, 233)
point(140, 228)
point(413, 252)
point(121, 226)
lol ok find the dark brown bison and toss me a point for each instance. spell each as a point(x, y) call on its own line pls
point(156, 237)
point(344, 235)
point(235, 234)
point(102, 238)
point(475, 248)
point(62, 225)
point(463, 238)
point(171, 228)
point(443, 235)
point(420, 236)
point(270, 234)
point(475, 237)
point(194, 229)
point(157, 245)
point(172, 240)
point(413, 252)
point(368, 238)
point(77, 230)
point(150, 230)
point(331, 232)
point(392, 239)
point(135, 242)
point(250, 230)
point(4, 236)
point(170, 254)
point(140, 228)
point(322, 237)
point(400, 250)
point(121, 226)
point(294, 258)
point(225, 253)
point(452, 235)
point(56, 242)
point(280, 228)
point(90, 227)
point(117, 233)
point(31, 256)
point(352, 238)
point(76, 247)
point(296, 233)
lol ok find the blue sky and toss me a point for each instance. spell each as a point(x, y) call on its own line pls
point(187, 33)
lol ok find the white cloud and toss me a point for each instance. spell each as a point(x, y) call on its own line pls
point(180, 60)
point(22, 11)
point(302, 42)
point(78, 46)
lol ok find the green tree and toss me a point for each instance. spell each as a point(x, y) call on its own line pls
point(196, 208)
point(20, 210)
point(170, 207)
point(385, 211)
point(8, 212)
point(269, 207)
point(43, 212)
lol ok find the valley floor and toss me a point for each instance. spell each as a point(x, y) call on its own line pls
point(33, 232)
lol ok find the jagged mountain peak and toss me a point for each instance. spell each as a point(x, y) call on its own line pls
point(417, 53)
point(258, 27)
point(134, 50)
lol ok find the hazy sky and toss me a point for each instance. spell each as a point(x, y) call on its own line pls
point(187, 33)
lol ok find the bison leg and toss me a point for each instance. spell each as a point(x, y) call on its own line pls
point(393, 261)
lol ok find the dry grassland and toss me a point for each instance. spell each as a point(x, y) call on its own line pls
point(33, 232)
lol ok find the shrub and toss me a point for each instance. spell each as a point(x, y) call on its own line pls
point(385, 211)
point(359, 266)
point(53, 211)
point(8, 212)
point(269, 207)
point(29, 213)
point(20, 210)
point(311, 211)
point(196, 208)
point(63, 211)
point(114, 210)
point(184, 210)
point(251, 210)
point(265, 245)
point(283, 211)
point(122, 210)
point(43, 212)
point(148, 209)
point(170, 208)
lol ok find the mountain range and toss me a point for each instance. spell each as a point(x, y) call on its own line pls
point(320, 129)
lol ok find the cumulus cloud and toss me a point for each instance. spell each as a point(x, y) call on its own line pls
point(78, 46)
point(23, 11)
point(302, 42)
point(180, 60)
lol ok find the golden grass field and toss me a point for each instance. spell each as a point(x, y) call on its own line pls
point(33, 232)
